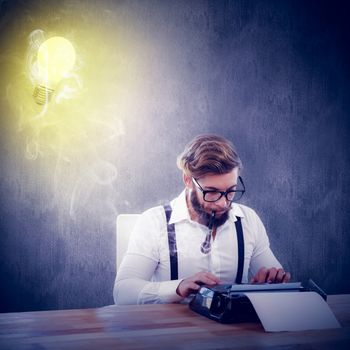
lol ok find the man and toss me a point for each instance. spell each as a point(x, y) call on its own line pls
point(203, 237)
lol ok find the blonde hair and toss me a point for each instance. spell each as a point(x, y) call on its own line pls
point(208, 154)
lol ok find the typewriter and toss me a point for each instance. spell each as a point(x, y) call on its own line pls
point(227, 303)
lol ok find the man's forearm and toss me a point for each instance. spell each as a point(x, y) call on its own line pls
point(136, 291)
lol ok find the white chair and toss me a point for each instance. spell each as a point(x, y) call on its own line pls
point(125, 224)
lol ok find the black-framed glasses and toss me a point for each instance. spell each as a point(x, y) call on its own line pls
point(215, 195)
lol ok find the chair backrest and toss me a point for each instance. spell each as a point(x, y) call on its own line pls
point(125, 224)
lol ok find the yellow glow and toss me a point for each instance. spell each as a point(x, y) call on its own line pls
point(76, 138)
point(56, 59)
point(83, 121)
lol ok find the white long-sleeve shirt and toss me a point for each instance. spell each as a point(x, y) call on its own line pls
point(144, 273)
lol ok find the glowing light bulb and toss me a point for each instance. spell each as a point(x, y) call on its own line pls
point(55, 60)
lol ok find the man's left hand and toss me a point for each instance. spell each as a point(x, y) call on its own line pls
point(271, 275)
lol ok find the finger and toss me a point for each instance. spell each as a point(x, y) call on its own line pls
point(271, 275)
point(280, 276)
point(260, 277)
point(201, 276)
point(205, 280)
point(193, 286)
point(212, 277)
point(186, 288)
point(286, 277)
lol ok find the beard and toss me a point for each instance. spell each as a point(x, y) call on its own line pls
point(203, 216)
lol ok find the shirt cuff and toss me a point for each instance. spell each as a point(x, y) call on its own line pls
point(167, 291)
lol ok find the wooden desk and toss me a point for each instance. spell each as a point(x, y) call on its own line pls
point(171, 326)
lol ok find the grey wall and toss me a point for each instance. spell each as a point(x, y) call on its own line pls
point(272, 76)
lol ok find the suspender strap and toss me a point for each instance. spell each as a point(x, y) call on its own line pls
point(173, 247)
point(240, 243)
point(172, 244)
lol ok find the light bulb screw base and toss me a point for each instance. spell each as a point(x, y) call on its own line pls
point(42, 94)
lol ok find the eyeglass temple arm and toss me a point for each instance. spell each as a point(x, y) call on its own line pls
point(240, 179)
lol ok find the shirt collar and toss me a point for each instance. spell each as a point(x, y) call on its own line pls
point(235, 211)
point(180, 210)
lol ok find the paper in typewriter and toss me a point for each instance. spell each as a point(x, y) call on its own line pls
point(292, 311)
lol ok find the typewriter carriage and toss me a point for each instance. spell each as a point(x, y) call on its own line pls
point(229, 304)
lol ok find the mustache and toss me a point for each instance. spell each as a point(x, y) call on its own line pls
point(205, 217)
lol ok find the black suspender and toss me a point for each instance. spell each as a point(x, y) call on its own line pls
point(173, 249)
point(172, 244)
point(240, 244)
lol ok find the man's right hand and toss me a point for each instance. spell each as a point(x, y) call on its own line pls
point(193, 283)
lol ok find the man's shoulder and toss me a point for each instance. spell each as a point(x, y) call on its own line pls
point(154, 211)
point(151, 221)
point(158, 212)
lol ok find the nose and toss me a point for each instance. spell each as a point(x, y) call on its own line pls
point(222, 203)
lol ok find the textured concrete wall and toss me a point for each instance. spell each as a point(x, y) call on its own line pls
point(273, 76)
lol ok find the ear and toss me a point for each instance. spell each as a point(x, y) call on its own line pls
point(187, 180)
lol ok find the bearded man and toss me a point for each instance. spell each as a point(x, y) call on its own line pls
point(204, 236)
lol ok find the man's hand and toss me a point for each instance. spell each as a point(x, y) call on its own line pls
point(271, 275)
point(193, 283)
